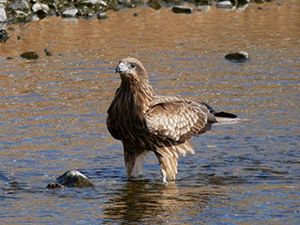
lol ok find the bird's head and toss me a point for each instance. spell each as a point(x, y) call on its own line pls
point(131, 70)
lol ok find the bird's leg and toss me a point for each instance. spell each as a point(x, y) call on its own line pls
point(168, 166)
point(129, 163)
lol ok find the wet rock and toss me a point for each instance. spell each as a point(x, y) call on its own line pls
point(84, 11)
point(182, 9)
point(94, 2)
point(71, 178)
point(224, 5)
point(30, 55)
point(237, 56)
point(242, 4)
point(48, 52)
point(54, 186)
point(38, 6)
point(204, 8)
point(41, 10)
point(3, 17)
point(21, 16)
point(70, 12)
point(3, 36)
point(102, 16)
point(155, 4)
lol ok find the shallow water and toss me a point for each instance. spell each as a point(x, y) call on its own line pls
point(53, 113)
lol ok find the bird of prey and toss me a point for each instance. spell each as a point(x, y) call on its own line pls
point(145, 122)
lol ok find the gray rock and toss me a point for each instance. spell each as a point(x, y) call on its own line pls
point(237, 56)
point(70, 12)
point(3, 17)
point(30, 55)
point(94, 2)
point(204, 8)
point(224, 5)
point(71, 178)
point(20, 5)
point(38, 6)
point(182, 9)
point(102, 16)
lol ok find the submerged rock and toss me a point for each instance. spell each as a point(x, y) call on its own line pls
point(30, 55)
point(71, 178)
point(182, 9)
point(237, 56)
point(3, 36)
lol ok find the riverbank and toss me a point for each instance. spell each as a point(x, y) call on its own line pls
point(24, 11)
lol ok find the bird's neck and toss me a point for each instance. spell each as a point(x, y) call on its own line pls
point(139, 95)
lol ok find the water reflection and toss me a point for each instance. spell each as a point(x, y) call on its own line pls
point(139, 201)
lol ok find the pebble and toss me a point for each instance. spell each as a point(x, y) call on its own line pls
point(3, 17)
point(48, 52)
point(70, 13)
point(204, 8)
point(224, 5)
point(182, 9)
point(3, 36)
point(32, 55)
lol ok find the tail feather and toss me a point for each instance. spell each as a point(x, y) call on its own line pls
point(219, 114)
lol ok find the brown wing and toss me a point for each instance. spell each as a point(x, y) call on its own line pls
point(176, 119)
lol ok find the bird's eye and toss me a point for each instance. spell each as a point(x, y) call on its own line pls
point(132, 65)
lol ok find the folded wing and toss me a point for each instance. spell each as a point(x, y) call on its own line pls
point(177, 119)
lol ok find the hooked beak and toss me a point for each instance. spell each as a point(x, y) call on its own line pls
point(121, 67)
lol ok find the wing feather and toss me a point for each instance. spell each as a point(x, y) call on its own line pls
point(176, 119)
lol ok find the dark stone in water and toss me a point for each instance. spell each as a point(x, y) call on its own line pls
point(182, 9)
point(3, 36)
point(30, 55)
point(155, 4)
point(48, 52)
point(237, 56)
point(102, 16)
point(71, 178)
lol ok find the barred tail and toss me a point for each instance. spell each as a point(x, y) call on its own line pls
point(168, 155)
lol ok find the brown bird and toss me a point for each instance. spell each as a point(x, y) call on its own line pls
point(147, 122)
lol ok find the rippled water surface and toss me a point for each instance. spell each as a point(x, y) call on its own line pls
point(53, 113)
